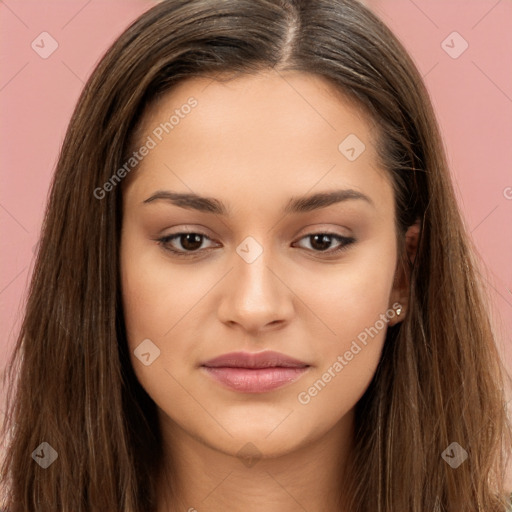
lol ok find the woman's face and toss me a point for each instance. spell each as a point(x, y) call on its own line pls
point(254, 278)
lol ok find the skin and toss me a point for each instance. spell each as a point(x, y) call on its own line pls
point(253, 143)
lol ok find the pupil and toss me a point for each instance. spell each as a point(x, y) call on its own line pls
point(190, 240)
point(324, 241)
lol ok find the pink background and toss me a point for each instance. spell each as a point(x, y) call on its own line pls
point(472, 95)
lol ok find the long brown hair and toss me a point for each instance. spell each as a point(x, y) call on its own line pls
point(440, 379)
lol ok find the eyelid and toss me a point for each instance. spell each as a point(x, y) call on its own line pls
point(166, 239)
point(343, 240)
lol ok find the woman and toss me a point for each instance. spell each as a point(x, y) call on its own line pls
point(328, 349)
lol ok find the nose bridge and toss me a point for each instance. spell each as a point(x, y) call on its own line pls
point(255, 296)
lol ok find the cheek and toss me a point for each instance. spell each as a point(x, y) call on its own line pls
point(155, 293)
point(147, 311)
point(351, 296)
point(353, 304)
point(163, 303)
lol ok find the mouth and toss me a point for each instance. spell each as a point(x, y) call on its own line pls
point(254, 372)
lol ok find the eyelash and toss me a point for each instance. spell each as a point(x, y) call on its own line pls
point(164, 241)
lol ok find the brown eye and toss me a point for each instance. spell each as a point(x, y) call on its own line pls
point(190, 241)
point(321, 242)
point(187, 242)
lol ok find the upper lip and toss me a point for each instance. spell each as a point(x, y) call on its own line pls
point(266, 359)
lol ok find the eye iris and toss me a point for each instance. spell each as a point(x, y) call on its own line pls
point(191, 241)
point(324, 242)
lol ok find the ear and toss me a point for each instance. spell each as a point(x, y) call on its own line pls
point(399, 298)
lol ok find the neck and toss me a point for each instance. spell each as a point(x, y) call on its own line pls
point(204, 478)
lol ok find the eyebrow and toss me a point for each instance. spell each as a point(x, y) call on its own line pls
point(300, 204)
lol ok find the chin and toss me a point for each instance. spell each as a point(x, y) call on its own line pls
point(250, 447)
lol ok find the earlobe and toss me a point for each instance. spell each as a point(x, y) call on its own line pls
point(399, 313)
point(400, 292)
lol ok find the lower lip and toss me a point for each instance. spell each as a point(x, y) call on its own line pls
point(257, 380)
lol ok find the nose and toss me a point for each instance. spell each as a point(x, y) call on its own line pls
point(255, 297)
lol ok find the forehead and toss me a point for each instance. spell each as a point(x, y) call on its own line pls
point(266, 132)
point(288, 104)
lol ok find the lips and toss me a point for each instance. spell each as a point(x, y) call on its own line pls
point(254, 360)
point(260, 372)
